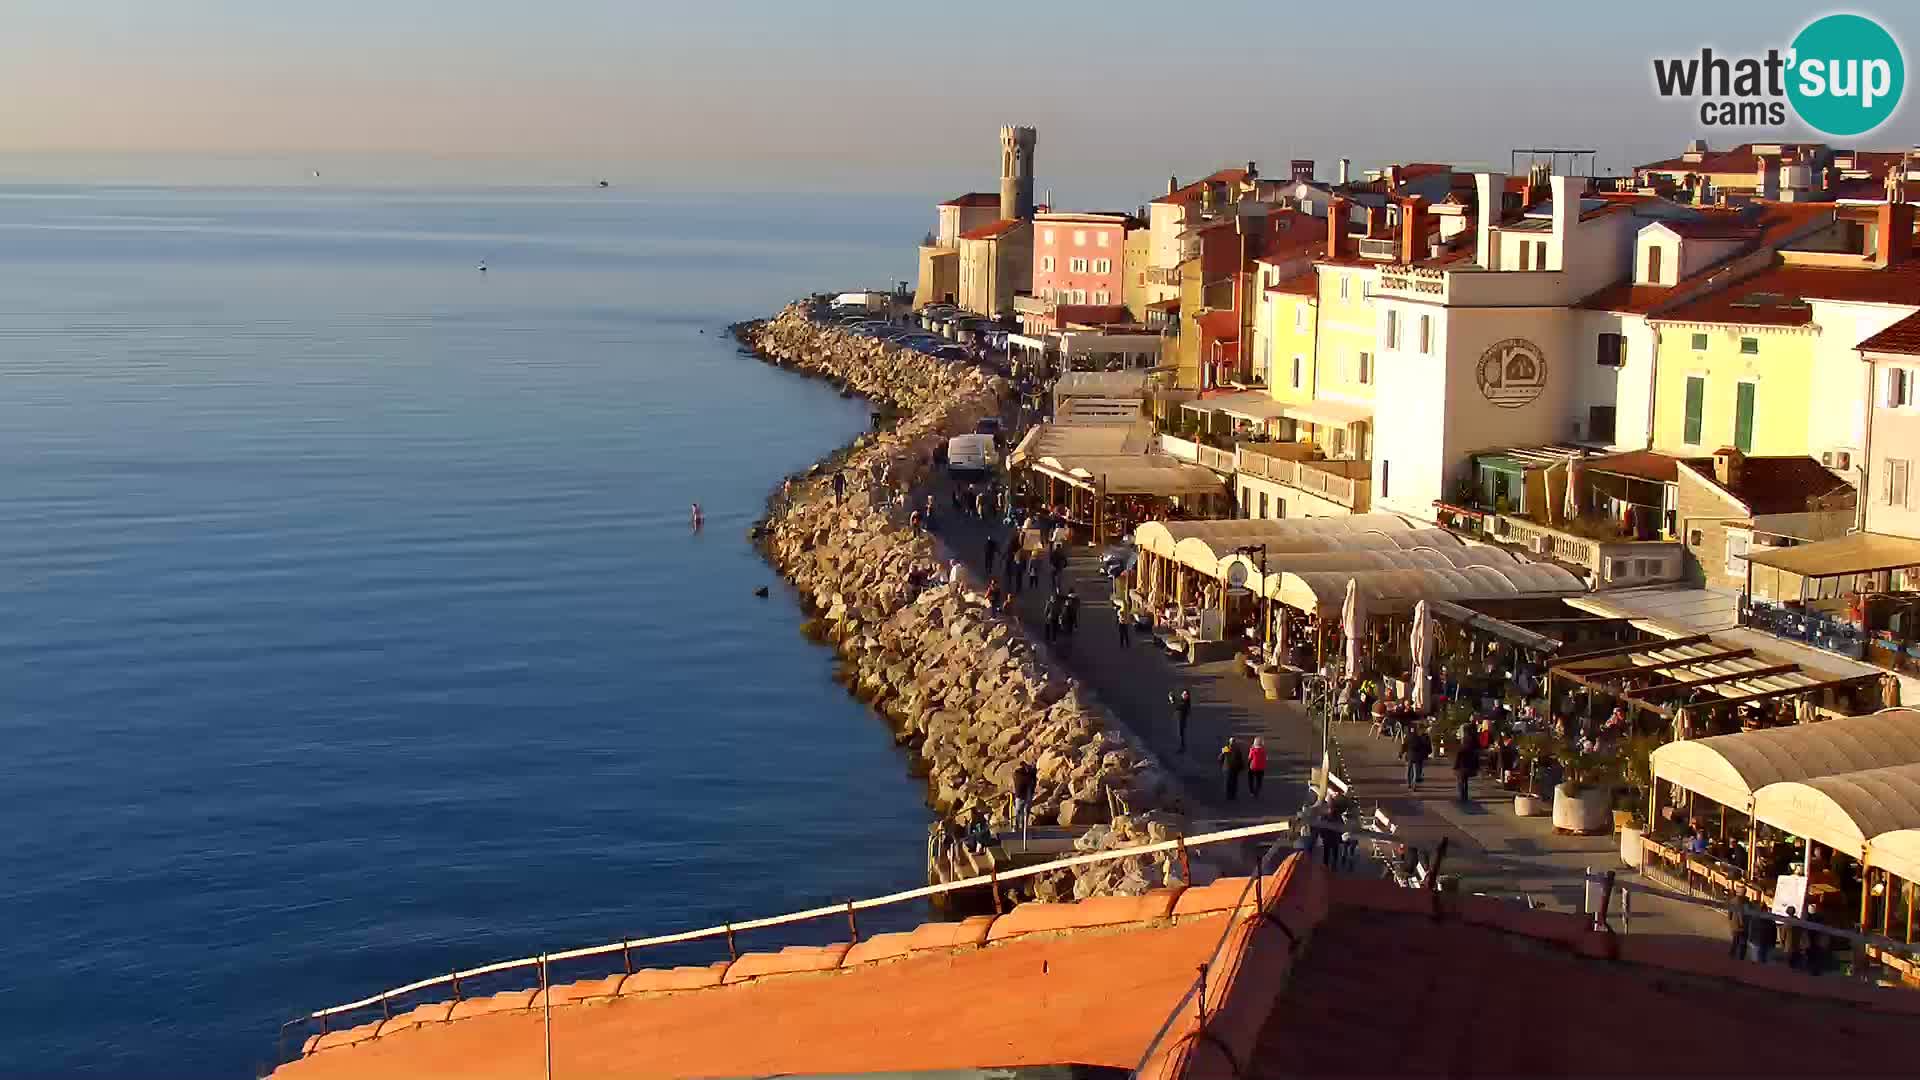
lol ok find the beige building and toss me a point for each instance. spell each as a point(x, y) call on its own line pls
point(939, 278)
point(996, 261)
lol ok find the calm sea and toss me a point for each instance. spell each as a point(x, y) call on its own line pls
point(351, 628)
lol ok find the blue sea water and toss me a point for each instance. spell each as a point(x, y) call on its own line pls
point(351, 627)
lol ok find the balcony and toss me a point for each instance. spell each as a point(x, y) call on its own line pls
point(1593, 548)
point(1346, 483)
point(1028, 304)
point(1163, 275)
point(1795, 622)
point(1384, 248)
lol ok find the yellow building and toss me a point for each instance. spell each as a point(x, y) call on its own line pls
point(1731, 383)
point(1340, 417)
point(1288, 329)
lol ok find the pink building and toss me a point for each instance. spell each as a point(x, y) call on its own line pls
point(1081, 258)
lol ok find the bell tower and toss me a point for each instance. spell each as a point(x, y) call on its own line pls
point(1016, 171)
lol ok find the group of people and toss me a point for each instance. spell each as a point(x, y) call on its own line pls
point(1233, 762)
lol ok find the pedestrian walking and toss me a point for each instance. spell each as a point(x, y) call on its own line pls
point(914, 522)
point(839, 487)
point(1182, 703)
point(980, 503)
point(993, 548)
point(1124, 623)
point(1058, 557)
point(1025, 779)
point(1070, 613)
point(1256, 766)
point(1764, 933)
point(1052, 616)
point(1415, 748)
point(993, 594)
point(926, 514)
point(1466, 762)
point(1231, 762)
point(1033, 570)
point(1737, 930)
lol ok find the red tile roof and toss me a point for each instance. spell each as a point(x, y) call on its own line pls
point(1714, 228)
point(1739, 159)
point(1902, 338)
point(1307, 284)
point(975, 198)
point(1775, 485)
point(1777, 296)
point(1191, 192)
point(992, 230)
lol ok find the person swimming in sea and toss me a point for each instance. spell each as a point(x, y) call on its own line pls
point(697, 519)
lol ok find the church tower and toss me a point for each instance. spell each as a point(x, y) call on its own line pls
point(1016, 172)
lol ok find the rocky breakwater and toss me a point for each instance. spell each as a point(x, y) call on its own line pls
point(964, 687)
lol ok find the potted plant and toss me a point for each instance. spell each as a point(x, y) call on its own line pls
point(1534, 749)
point(1582, 802)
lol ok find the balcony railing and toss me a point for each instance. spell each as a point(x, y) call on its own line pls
point(1604, 563)
point(1163, 275)
point(1824, 632)
point(1379, 247)
point(1309, 476)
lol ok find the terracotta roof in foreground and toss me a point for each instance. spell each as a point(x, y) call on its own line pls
point(1902, 338)
point(1776, 485)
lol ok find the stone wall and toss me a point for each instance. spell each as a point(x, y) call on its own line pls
point(965, 689)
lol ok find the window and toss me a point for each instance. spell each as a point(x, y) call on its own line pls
point(1046, 264)
point(1385, 472)
point(1739, 542)
point(1077, 265)
point(1540, 255)
point(1696, 402)
point(1343, 286)
point(1046, 236)
point(1080, 296)
point(1613, 351)
point(1899, 387)
point(1366, 289)
point(1299, 316)
point(1749, 346)
point(1743, 417)
point(1699, 343)
point(1102, 237)
point(1102, 297)
point(1103, 266)
point(1279, 507)
point(1600, 421)
point(1894, 491)
point(1336, 441)
point(1426, 335)
point(1393, 329)
point(1079, 238)
point(1653, 264)
point(1365, 368)
point(1263, 504)
point(1526, 255)
point(1694, 538)
point(1299, 362)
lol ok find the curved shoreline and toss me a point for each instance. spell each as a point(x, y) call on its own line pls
point(963, 687)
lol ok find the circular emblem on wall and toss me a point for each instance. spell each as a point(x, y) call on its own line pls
point(1512, 372)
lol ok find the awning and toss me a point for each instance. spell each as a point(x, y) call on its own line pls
point(1250, 405)
point(1152, 474)
point(1896, 852)
point(1100, 384)
point(1391, 592)
point(1307, 534)
point(1729, 768)
point(1855, 553)
point(1341, 554)
point(1331, 413)
point(1845, 811)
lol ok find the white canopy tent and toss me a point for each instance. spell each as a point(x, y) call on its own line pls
point(1729, 769)
point(1843, 812)
point(1393, 592)
point(1897, 852)
point(1164, 537)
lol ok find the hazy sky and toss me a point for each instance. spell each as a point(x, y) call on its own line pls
point(747, 94)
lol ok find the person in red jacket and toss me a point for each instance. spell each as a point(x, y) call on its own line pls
point(1256, 765)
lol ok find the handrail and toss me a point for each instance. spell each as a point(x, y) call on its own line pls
point(727, 929)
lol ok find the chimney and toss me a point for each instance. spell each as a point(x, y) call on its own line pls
point(1253, 170)
point(1301, 169)
point(1767, 184)
point(1567, 193)
point(1490, 191)
point(1729, 467)
point(1346, 170)
point(1894, 244)
point(1414, 225)
point(1336, 228)
point(1173, 184)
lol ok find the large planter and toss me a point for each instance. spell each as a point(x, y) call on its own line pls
point(1586, 811)
point(1270, 683)
point(1632, 851)
point(1529, 806)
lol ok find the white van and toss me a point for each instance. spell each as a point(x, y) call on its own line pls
point(860, 301)
point(971, 456)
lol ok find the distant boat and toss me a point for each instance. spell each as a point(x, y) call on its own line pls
point(316, 173)
point(483, 266)
point(603, 183)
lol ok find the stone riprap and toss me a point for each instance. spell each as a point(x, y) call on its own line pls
point(965, 688)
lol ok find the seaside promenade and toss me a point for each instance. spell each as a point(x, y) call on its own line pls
point(1489, 848)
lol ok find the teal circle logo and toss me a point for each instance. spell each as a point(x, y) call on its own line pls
point(1847, 75)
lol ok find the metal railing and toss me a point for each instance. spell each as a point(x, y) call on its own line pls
point(1304, 475)
point(848, 910)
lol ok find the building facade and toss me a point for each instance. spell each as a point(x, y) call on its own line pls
point(1081, 258)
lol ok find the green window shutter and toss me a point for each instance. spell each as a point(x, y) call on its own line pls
point(1743, 418)
point(1696, 403)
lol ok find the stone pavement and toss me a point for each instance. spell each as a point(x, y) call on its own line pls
point(1497, 852)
